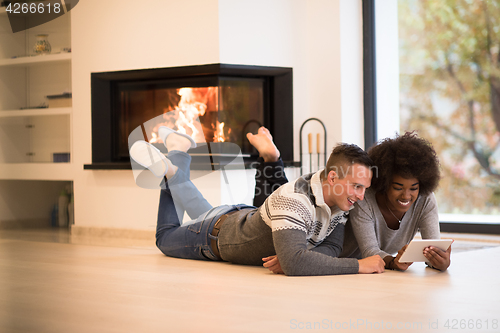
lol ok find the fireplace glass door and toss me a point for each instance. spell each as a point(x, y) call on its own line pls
point(210, 109)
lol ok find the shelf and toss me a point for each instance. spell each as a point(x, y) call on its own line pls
point(35, 112)
point(37, 171)
point(36, 60)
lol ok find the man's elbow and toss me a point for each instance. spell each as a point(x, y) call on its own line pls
point(294, 272)
point(293, 269)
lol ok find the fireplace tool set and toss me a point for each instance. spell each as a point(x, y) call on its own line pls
point(310, 147)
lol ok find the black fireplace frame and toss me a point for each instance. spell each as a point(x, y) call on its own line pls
point(278, 98)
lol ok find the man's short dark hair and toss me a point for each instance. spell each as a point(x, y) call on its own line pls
point(343, 156)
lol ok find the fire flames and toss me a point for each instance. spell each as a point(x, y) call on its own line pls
point(219, 133)
point(194, 103)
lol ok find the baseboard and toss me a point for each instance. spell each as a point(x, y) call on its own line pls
point(80, 231)
point(25, 224)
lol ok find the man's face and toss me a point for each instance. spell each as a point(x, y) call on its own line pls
point(344, 192)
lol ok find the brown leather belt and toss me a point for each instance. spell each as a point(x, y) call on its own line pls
point(215, 233)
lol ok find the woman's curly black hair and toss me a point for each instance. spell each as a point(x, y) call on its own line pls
point(408, 156)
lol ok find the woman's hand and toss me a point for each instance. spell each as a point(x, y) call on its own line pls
point(438, 258)
point(273, 264)
point(400, 266)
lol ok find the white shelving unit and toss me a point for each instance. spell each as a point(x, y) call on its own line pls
point(33, 138)
point(36, 60)
point(30, 133)
point(35, 112)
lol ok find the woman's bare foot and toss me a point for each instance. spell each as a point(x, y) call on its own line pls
point(174, 140)
point(172, 169)
point(263, 142)
point(177, 142)
point(148, 156)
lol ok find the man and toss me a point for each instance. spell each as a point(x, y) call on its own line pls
point(301, 222)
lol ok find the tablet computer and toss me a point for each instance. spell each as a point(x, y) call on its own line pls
point(415, 250)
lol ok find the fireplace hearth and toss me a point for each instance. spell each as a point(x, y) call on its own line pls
point(213, 103)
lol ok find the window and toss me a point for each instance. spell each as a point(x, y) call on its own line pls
point(448, 83)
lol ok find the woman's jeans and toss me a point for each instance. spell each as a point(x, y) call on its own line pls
point(191, 240)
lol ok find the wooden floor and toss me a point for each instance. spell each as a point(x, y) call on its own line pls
point(51, 283)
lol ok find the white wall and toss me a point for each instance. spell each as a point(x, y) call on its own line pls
point(351, 71)
point(258, 32)
point(116, 35)
point(387, 64)
point(323, 47)
point(120, 35)
point(319, 70)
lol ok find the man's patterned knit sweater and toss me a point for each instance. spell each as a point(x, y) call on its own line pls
point(295, 223)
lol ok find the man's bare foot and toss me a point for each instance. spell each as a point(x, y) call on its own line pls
point(263, 142)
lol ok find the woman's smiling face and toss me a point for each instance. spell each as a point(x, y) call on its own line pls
point(402, 193)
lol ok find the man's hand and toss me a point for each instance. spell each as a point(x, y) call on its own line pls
point(273, 264)
point(438, 258)
point(373, 264)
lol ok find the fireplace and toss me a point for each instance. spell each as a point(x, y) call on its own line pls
point(224, 101)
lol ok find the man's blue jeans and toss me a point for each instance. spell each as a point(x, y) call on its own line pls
point(190, 240)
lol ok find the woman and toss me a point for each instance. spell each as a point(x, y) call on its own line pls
point(399, 203)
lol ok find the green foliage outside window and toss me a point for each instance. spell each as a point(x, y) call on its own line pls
point(450, 93)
